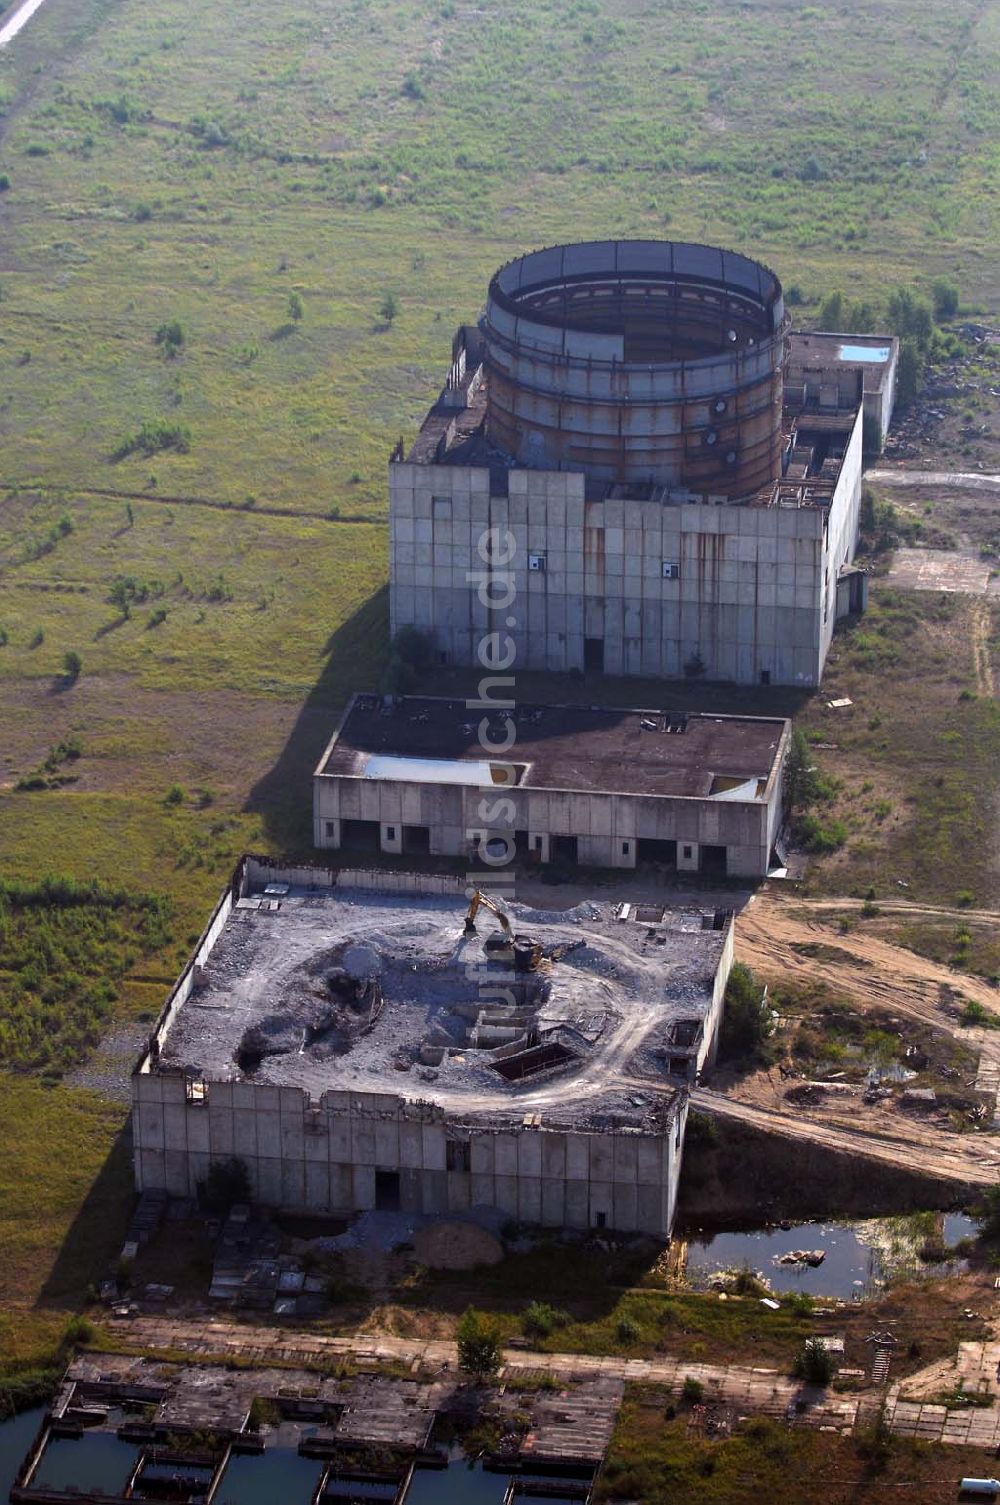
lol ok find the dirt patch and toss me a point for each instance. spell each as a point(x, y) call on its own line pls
point(456, 1246)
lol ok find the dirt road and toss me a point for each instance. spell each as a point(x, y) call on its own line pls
point(972, 480)
point(770, 934)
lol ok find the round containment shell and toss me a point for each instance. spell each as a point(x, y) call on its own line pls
point(638, 361)
point(982, 1489)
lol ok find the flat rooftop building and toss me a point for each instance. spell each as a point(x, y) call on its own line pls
point(676, 499)
point(349, 1041)
point(581, 784)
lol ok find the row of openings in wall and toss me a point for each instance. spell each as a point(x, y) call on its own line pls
point(366, 836)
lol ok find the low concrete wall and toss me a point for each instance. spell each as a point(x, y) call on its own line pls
point(331, 1157)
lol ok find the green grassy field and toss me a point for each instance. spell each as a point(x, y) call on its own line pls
point(266, 177)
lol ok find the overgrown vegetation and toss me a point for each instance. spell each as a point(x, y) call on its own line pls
point(152, 437)
point(64, 947)
point(747, 1021)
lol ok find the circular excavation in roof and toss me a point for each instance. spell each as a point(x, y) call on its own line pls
point(490, 1008)
point(641, 362)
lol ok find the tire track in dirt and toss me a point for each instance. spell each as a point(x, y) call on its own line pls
point(869, 972)
point(981, 633)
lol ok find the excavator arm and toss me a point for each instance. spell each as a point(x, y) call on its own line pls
point(481, 900)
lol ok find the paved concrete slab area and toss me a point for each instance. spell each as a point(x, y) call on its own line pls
point(940, 570)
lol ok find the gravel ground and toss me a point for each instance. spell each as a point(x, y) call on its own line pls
point(110, 1067)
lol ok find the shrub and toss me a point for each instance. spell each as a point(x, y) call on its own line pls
point(4, 182)
point(388, 308)
point(72, 664)
point(539, 1320)
point(174, 795)
point(170, 337)
point(819, 838)
point(814, 1363)
point(692, 1390)
point(627, 1331)
point(157, 617)
point(479, 1352)
point(295, 307)
point(153, 436)
point(79, 1330)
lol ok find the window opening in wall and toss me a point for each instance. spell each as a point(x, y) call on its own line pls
point(196, 1092)
point(688, 851)
point(536, 562)
point(331, 829)
point(390, 833)
point(458, 1155)
point(765, 676)
point(386, 1191)
point(625, 848)
point(601, 1219)
point(671, 569)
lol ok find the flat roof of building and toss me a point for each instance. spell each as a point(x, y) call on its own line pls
point(336, 988)
point(819, 349)
point(595, 749)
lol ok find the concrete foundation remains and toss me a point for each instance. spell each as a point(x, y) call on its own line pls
point(355, 1049)
point(665, 501)
point(581, 784)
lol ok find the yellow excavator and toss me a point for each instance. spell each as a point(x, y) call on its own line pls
point(523, 950)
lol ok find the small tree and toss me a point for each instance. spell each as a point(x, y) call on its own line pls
point(295, 307)
point(72, 664)
point(746, 1021)
point(479, 1352)
point(831, 312)
point(388, 308)
point(945, 295)
point(910, 373)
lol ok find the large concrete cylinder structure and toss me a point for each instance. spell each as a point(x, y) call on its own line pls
point(638, 361)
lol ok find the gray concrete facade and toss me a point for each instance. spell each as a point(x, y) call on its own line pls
point(656, 587)
point(323, 1156)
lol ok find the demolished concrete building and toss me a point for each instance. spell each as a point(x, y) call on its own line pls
point(582, 784)
point(671, 500)
point(343, 1037)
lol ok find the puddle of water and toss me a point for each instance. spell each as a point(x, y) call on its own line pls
point(16, 1436)
point(97, 1460)
point(859, 1258)
point(277, 1474)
